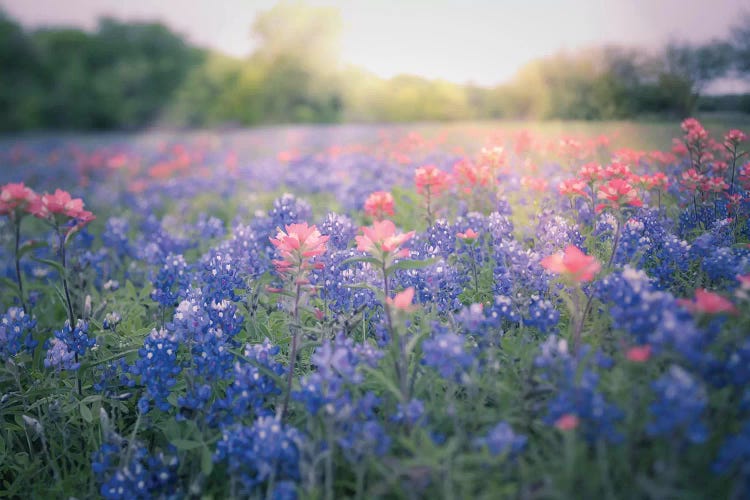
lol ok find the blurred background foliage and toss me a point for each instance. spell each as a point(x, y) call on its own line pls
point(131, 75)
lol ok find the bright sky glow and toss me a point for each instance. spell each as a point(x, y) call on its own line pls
point(480, 41)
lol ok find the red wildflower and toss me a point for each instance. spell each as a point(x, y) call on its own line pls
point(381, 238)
point(572, 263)
point(297, 246)
point(470, 234)
point(402, 301)
point(567, 422)
point(16, 195)
point(708, 303)
point(639, 354)
point(432, 178)
point(379, 204)
point(573, 187)
point(616, 193)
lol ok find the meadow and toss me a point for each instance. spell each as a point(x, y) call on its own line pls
point(473, 310)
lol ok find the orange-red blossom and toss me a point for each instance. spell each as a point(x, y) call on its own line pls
point(572, 263)
point(296, 247)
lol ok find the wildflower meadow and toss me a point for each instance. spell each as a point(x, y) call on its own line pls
point(364, 312)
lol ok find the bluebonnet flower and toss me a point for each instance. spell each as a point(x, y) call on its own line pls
point(190, 319)
point(208, 227)
point(15, 333)
point(363, 436)
point(439, 284)
point(734, 455)
point(284, 490)
point(156, 242)
point(679, 407)
point(502, 440)
point(251, 388)
point(341, 283)
point(445, 353)
point(143, 476)
point(409, 413)
point(113, 377)
point(337, 368)
point(111, 320)
point(170, 281)
point(554, 233)
point(651, 316)
point(221, 277)
point(340, 230)
point(116, 237)
point(542, 315)
point(724, 263)
point(158, 368)
point(576, 389)
point(287, 210)
point(77, 338)
point(60, 356)
point(254, 455)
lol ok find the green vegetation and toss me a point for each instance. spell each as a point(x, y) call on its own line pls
point(133, 75)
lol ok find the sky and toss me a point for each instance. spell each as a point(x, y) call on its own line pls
point(479, 41)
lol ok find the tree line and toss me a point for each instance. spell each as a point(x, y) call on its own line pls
point(130, 75)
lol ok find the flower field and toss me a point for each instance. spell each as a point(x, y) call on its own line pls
point(375, 313)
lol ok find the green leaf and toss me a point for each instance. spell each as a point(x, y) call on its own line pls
point(29, 246)
point(410, 264)
point(388, 383)
point(186, 444)
point(86, 413)
point(10, 284)
point(207, 463)
point(51, 263)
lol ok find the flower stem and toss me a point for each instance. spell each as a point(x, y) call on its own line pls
point(17, 223)
point(68, 302)
point(734, 163)
point(292, 352)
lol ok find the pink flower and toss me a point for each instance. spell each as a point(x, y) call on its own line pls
point(694, 131)
point(15, 195)
point(402, 301)
point(734, 137)
point(381, 238)
point(616, 193)
point(573, 263)
point(715, 185)
point(639, 354)
point(470, 234)
point(591, 172)
point(656, 181)
point(430, 177)
point(692, 180)
point(538, 184)
point(297, 246)
point(470, 176)
point(616, 170)
point(567, 422)
point(48, 206)
point(493, 158)
point(379, 204)
point(708, 303)
point(573, 187)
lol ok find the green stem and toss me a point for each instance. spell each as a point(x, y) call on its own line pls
point(68, 301)
point(329, 462)
point(734, 163)
point(17, 223)
point(292, 353)
point(429, 209)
